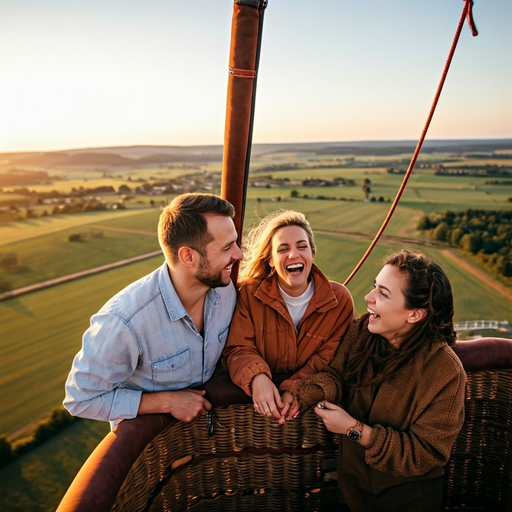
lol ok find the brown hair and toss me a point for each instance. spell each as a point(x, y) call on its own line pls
point(427, 287)
point(183, 223)
point(258, 245)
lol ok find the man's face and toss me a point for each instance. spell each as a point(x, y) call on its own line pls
point(222, 253)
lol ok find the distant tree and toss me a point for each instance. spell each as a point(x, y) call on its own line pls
point(471, 242)
point(440, 233)
point(30, 213)
point(366, 188)
point(424, 223)
point(294, 193)
point(455, 236)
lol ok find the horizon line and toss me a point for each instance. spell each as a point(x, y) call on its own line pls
point(188, 146)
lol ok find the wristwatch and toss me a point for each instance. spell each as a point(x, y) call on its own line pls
point(355, 433)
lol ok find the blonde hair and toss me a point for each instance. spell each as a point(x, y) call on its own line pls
point(257, 247)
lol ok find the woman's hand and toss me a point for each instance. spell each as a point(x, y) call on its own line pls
point(335, 418)
point(265, 396)
point(291, 407)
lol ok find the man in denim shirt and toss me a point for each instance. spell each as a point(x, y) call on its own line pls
point(153, 343)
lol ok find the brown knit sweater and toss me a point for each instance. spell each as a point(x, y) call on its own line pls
point(415, 416)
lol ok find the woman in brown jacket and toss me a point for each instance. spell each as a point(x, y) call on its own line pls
point(400, 390)
point(289, 317)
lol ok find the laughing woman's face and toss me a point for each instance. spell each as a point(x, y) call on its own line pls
point(292, 258)
point(386, 304)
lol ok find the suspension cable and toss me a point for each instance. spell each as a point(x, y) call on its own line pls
point(466, 13)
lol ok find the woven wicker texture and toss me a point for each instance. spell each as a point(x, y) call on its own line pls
point(250, 461)
point(479, 473)
point(253, 463)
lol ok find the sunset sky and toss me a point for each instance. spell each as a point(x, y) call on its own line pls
point(88, 73)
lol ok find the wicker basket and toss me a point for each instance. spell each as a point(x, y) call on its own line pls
point(249, 462)
point(479, 474)
point(252, 463)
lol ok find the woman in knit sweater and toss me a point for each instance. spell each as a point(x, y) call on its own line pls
point(399, 389)
point(289, 317)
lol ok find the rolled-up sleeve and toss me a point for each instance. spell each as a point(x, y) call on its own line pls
point(108, 357)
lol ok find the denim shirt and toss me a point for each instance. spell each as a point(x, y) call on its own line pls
point(142, 339)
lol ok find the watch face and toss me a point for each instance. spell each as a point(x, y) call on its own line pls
point(354, 435)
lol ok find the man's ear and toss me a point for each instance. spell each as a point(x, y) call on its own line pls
point(187, 256)
point(416, 315)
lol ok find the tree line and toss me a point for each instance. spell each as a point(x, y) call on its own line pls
point(487, 234)
point(58, 420)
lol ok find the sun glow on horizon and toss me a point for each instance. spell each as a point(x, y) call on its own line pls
point(96, 75)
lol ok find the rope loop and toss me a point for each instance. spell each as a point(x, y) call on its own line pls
point(469, 17)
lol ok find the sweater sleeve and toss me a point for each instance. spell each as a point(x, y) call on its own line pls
point(240, 354)
point(344, 314)
point(428, 441)
point(328, 384)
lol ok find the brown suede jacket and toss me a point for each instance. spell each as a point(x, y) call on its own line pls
point(262, 337)
point(415, 416)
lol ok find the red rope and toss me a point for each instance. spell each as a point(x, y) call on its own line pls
point(466, 12)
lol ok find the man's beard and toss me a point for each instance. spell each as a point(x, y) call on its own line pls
point(209, 277)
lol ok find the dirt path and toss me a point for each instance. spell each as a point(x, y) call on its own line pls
point(76, 275)
point(480, 274)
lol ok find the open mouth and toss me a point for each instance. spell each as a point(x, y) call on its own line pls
point(295, 269)
point(373, 315)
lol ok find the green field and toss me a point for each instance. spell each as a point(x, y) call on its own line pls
point(26, 229)
point(41, 332)
point(100, 244)
point(424, 190)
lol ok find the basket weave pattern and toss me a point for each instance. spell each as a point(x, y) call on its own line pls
point(252, 463)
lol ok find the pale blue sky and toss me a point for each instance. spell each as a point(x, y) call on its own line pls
point(90, 73)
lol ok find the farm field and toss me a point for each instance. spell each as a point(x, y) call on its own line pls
point(424, 189)
point(33, 228)
point(41, 331)
point(57, 256)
